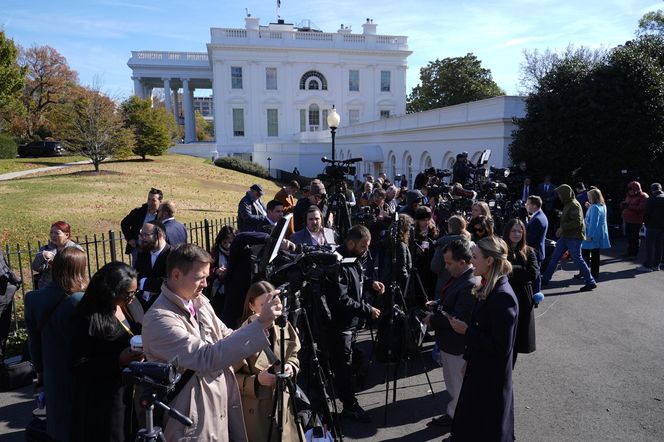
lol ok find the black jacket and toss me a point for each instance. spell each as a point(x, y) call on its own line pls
point(524, 273)
point(346, 299)
point(155, 275)
point(459, 302)
point(654, 216)
point(132, 223)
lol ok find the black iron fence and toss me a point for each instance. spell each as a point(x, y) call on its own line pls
point(106, 247)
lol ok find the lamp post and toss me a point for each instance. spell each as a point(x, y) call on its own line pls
point(333, 120)
point(269, 170)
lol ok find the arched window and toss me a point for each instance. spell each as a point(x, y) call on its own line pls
point(304, 84)
point(314, 117)
point(426, 161)
point(408, 169)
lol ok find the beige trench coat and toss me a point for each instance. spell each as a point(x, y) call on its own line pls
point(211, 398)
point(258, 400)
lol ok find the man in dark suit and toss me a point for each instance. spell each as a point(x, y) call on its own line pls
point(132, 223)
point(251, 212)
point(151, 262)
point(526, 189)
point(314, 234)
point(275, 211)
point(536, 229)
point(176, 232)
point(456, 301)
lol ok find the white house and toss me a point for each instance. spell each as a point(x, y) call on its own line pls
point(273, 87)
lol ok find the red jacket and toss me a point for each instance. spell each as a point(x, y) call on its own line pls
point(634, 206)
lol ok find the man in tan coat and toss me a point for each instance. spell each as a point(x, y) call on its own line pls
point(182, 324)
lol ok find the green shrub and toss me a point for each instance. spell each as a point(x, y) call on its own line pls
point(8, 148)
point(16, 342)
point(240, 165)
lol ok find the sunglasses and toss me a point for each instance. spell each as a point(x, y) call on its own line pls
point(128, 296)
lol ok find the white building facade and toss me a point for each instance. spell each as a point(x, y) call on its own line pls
point(273, 87)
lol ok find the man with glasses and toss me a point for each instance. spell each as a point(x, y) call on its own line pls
point(132, 223)
point(151, 262)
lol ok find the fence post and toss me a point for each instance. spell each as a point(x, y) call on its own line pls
point(111, 242)
point(206, 224)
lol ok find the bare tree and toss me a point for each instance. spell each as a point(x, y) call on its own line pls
point(95, 127)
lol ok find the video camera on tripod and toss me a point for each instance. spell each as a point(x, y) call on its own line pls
point(158, 381)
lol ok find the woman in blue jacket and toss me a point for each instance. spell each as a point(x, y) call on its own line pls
point(597, 231)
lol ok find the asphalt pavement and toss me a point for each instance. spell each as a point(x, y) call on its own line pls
point(597, 374)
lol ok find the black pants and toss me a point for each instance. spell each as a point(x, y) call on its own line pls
point(5, 320)
point(591, 257)
point(340, 347)
point(632, 231)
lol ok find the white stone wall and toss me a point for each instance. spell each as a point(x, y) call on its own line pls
point(433, 138)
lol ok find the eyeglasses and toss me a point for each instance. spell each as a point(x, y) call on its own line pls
point(478, 230)
point(128, 296)
point(142, 233)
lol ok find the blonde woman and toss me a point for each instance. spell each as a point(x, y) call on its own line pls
point(480, 208)
point(485, 410)
point(597, 232)
point(256, 378)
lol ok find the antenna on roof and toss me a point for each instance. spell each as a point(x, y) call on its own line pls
point(246, 10)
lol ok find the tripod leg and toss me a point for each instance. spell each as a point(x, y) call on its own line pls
point(394, 382)
point(387, 391)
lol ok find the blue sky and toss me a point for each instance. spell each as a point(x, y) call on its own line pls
point(98, 36)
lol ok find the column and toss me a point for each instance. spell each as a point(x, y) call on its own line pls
point(176, 104)
point(189, 123)
point(139, 90)
point(167, 94)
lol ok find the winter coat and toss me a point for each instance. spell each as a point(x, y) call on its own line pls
point(634, 206)
point(257, 400)
point(571, 221)
point(50, 352)
point(597, 230)
point(211, 398)
point(524, 273)
point(485, 410)
point(654, 216)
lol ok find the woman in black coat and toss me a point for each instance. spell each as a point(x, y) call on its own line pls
point(485, 410)
point(524, 273)
point(100, 350)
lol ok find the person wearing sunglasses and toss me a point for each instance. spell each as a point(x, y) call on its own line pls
point(480, 227)
point(100, 350)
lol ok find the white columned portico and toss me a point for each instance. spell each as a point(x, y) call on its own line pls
point(139, 89)
point(167, 94)
point(189, 121)
point(176, 105)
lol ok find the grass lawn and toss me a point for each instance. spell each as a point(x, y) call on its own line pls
point(18, 164)
point(96, 203)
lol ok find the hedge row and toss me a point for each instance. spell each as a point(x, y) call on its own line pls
point(240, 165)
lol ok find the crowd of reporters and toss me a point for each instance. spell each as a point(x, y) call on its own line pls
point(475, 285)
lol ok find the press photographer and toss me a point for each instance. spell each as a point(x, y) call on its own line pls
point(182, 324)
point(348, 306)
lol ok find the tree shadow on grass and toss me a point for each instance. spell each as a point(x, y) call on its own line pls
point(130, 160)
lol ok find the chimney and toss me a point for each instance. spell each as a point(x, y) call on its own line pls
point(369, 28)
point(252, 23)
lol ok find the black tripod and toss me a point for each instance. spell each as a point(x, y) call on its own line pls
point(395, 296)
point(320, 378)
point(283, 382)
point(153, 433)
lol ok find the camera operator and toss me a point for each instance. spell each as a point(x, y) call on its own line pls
point(461, 170)
point(413, 201)
point(423, 240)
point(316, 197)
point(348, 306)
point(182, 324)
point(381, 214)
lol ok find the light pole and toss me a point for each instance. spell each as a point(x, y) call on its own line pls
point(269, 170)
point(333, 120)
